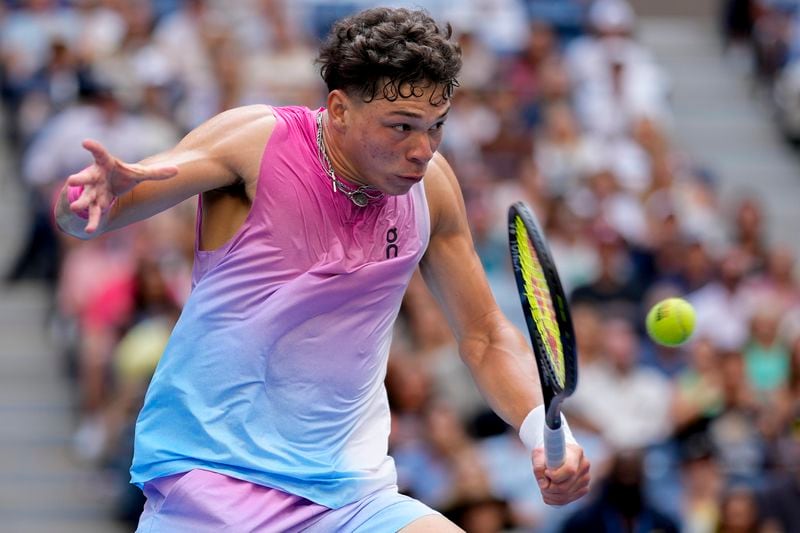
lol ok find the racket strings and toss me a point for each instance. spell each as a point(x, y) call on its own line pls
point(540, 302)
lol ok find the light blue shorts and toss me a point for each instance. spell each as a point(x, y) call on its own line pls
point(202, 501)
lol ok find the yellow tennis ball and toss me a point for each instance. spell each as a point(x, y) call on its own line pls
point(670, 322)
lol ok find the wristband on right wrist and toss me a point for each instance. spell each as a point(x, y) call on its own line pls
point(531, 432)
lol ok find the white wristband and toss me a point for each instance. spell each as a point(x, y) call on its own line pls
point(532, 429)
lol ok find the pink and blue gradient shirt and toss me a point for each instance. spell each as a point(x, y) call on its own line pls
point(274, 372)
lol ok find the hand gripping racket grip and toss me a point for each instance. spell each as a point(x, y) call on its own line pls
point(554, 446)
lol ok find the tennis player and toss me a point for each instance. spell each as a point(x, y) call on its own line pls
point(267, 411)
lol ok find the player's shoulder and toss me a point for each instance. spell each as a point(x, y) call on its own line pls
point(234, 131)
point(249, 116)
point(439, 177)
point(443, 193)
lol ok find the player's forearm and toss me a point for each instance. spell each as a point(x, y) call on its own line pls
point(504, 369)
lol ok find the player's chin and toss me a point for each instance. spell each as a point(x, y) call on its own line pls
point(397, 187)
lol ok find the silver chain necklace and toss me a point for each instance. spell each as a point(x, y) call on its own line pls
point(361, 196)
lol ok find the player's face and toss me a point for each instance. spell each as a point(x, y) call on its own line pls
point(388, 144)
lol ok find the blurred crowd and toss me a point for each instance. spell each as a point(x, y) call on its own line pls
point(559, 105)
point(763, 37)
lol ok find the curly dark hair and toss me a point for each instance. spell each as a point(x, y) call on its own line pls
point(394, 53)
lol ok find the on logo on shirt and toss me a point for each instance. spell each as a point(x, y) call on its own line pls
point(391, 247)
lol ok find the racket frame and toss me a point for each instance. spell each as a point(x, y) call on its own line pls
point(553, 393)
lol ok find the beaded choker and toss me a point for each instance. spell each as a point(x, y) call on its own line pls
point(360, 196)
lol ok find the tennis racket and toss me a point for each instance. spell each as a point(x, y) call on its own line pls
point(549, 323)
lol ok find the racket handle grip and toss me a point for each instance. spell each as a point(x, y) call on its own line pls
point(554, 446)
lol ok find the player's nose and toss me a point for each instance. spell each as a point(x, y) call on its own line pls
point(422, 150)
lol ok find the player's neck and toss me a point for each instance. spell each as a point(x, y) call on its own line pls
point(341, 166)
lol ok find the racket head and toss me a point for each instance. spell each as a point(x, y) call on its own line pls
point(544, 304)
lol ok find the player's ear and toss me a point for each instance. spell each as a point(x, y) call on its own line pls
point(339, 109)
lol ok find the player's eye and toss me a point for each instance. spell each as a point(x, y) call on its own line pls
point(401, 127)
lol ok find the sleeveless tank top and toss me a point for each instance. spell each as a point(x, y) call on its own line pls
point(274, 372)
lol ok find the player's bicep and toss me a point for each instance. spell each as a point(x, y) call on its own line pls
point(222, 151)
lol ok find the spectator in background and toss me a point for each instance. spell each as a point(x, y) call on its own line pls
point(104, 26)
point(789, 397)
point(138, 70)
point(698, 267)
point(634, 411)
point(749, 232)
point(133, 363)
point(615, 288)
point(50, 89)
point(524, 71)
point(26, 37)
point(771, 37)
point(480, 64)
point(482, 515)
point(474, 125)
point(555, 84)
point(700, 207)
point(574, 253)
point(776, 283)
point(428, 469)
point(739, 513)
point(186, 37)
point(622, 504)
point(766, 357)
point(436, 351)
point(778, 498)
point(617, 80)
point(506, 153)
point(284, 72)
point(563, 153)
point(737, 20)
point(589, 333)
point(699, 394)
point(721, 306)
point(701, 487)
point(408, 387)
point(607, 20)
point(501, 24)
point(734, 432)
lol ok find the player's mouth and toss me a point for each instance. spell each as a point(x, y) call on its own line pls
point(411, 177)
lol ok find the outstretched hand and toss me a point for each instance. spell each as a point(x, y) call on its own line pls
point(108, 178)
point(566, 483)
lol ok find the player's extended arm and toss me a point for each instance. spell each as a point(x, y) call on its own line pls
point(495, 351)
point(110, 193)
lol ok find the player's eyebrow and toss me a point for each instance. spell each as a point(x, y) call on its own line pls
point(415, 114)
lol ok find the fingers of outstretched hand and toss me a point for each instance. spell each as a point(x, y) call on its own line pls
point(566, 483)
point(95, 213)
point(82, 203)
point(91, 205)
point(101, 156)
point(87, 176)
